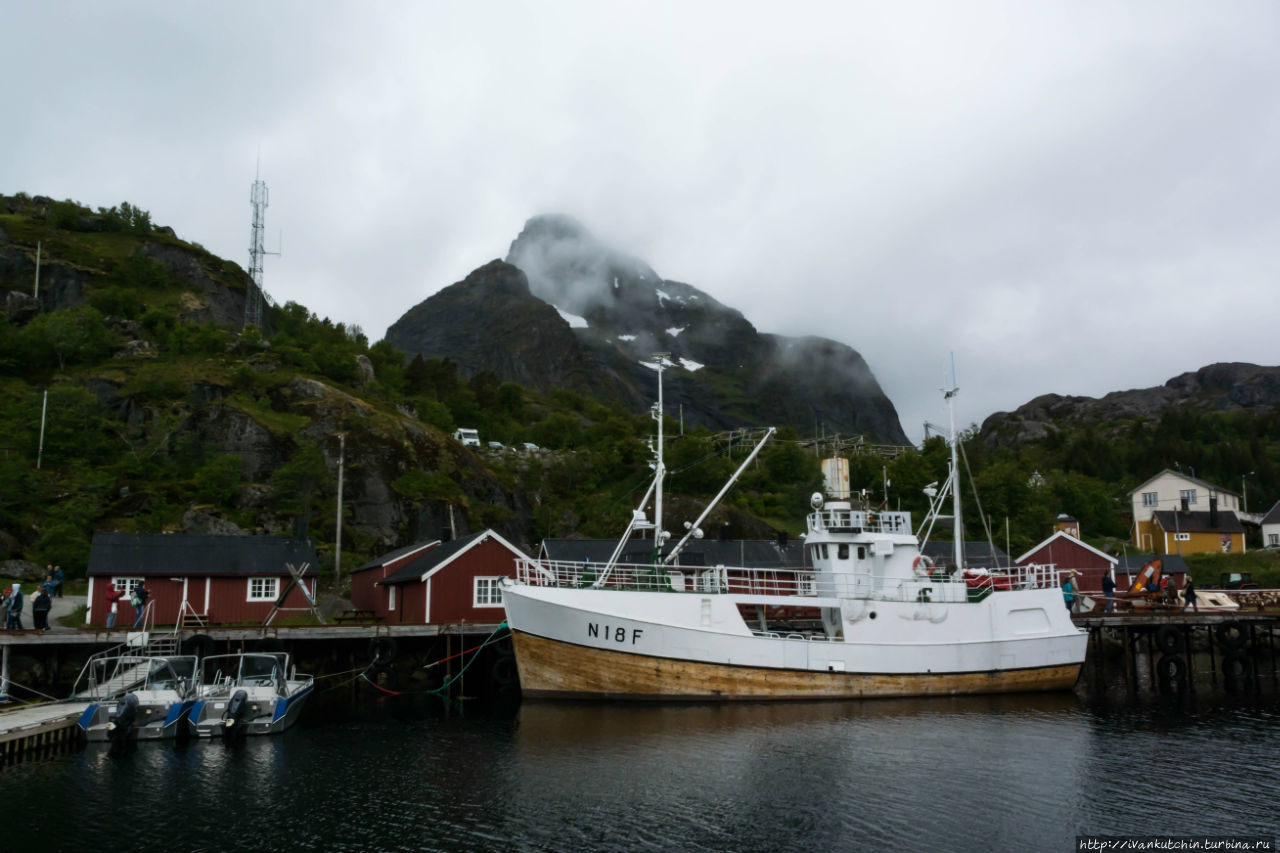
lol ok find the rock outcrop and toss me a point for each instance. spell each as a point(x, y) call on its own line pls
point(1220, 387)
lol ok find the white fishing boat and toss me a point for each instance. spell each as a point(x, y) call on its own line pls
point(248, 693)
point(888, 621)
point(136, 697)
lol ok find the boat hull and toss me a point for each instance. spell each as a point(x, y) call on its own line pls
point(552, 669)
point(271, 714)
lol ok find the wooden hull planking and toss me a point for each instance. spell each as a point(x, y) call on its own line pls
point(553, 669)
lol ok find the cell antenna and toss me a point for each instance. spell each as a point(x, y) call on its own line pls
point(255, 295)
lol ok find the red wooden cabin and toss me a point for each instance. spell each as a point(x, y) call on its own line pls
point(436, 583)
point(223, 579)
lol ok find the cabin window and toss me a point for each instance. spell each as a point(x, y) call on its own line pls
point(862, 552)
point(1150, 498)
point(264, 589)
point(126, 585)
point(842, 551)
point(1188, 495)
point(824, 551)
point(487, 592)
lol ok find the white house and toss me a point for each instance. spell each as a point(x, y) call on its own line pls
point(1271, 527)
point(1168, 490)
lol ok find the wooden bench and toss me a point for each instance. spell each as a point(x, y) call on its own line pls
point(357, 616)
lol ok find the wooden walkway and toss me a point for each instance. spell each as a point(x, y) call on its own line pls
point(32, 729)
point(92, 636)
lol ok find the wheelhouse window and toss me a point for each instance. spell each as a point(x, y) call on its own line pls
point(264, 589)
point(487, 592)
point(1150, 498)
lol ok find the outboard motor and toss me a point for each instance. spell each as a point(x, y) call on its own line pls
point(233, 717)
point(123, 718)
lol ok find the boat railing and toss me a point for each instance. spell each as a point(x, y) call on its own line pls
point(936, 586)
point(857, 520)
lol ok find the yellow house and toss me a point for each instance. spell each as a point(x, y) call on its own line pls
point(1212, 532)
point(1172, 490)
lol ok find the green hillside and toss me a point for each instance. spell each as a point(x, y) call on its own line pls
point(163, 415)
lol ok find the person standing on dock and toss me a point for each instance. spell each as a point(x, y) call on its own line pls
point(113, 605)
point(14, 622)
point(40, 607)
point(1068, 593)
point(58, 578)
point(1189, 595)
point(140, 595)
point(1109, 590)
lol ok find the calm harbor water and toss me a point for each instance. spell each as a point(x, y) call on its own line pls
point(413, 773)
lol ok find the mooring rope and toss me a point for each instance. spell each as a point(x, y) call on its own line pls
point(449, 681)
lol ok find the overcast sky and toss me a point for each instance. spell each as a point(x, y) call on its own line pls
point(1072, 197)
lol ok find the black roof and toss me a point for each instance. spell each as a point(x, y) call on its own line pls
point(978, 555)
point(1272, 517)
point(392, 556)
point(1170, 564)
point(432, 557)
point(748, 553)
point(1197, 521)
point(180, 554)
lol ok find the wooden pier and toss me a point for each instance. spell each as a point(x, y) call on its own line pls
point(31, 731)
point(1162, 647)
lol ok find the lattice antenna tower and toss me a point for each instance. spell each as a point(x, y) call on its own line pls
point(254, 297)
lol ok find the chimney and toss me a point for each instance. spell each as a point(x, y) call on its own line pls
point(1213, 510)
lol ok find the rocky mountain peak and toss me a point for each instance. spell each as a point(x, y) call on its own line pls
point(618, 312)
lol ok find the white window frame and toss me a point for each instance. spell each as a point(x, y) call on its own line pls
point(1189, 494)
point(391, 597)
point(125, 585)
point(1273, 538)
point(265, 583)
point(1150, 498)
point(486, 592)
point(1182, 537)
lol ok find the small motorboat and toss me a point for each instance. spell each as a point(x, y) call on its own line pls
point(136, 697)
point(250, 693)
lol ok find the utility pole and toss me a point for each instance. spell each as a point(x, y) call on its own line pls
point(44, 408)
point(337, 548)
point(39, 246)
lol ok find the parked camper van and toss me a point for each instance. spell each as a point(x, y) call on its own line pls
point(469, 437)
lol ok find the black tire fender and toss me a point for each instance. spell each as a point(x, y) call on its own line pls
point(503, 671)
point(382, 651)
point(1235, 667)
point(1171, 667)
point(1231, 635)
point(1169, 639)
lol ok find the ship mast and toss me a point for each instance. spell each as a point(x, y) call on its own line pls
point(957, 535)
point(660, 471)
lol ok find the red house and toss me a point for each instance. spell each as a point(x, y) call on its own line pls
point(1067, 552)
point(216, 579)
point(436, 583)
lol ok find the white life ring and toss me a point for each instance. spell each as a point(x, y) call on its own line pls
point(922, 565)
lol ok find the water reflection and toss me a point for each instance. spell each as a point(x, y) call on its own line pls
point(412, 773)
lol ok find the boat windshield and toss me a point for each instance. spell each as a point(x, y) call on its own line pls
point(176, 673)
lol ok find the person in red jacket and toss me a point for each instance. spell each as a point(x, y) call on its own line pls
point(113, 598)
